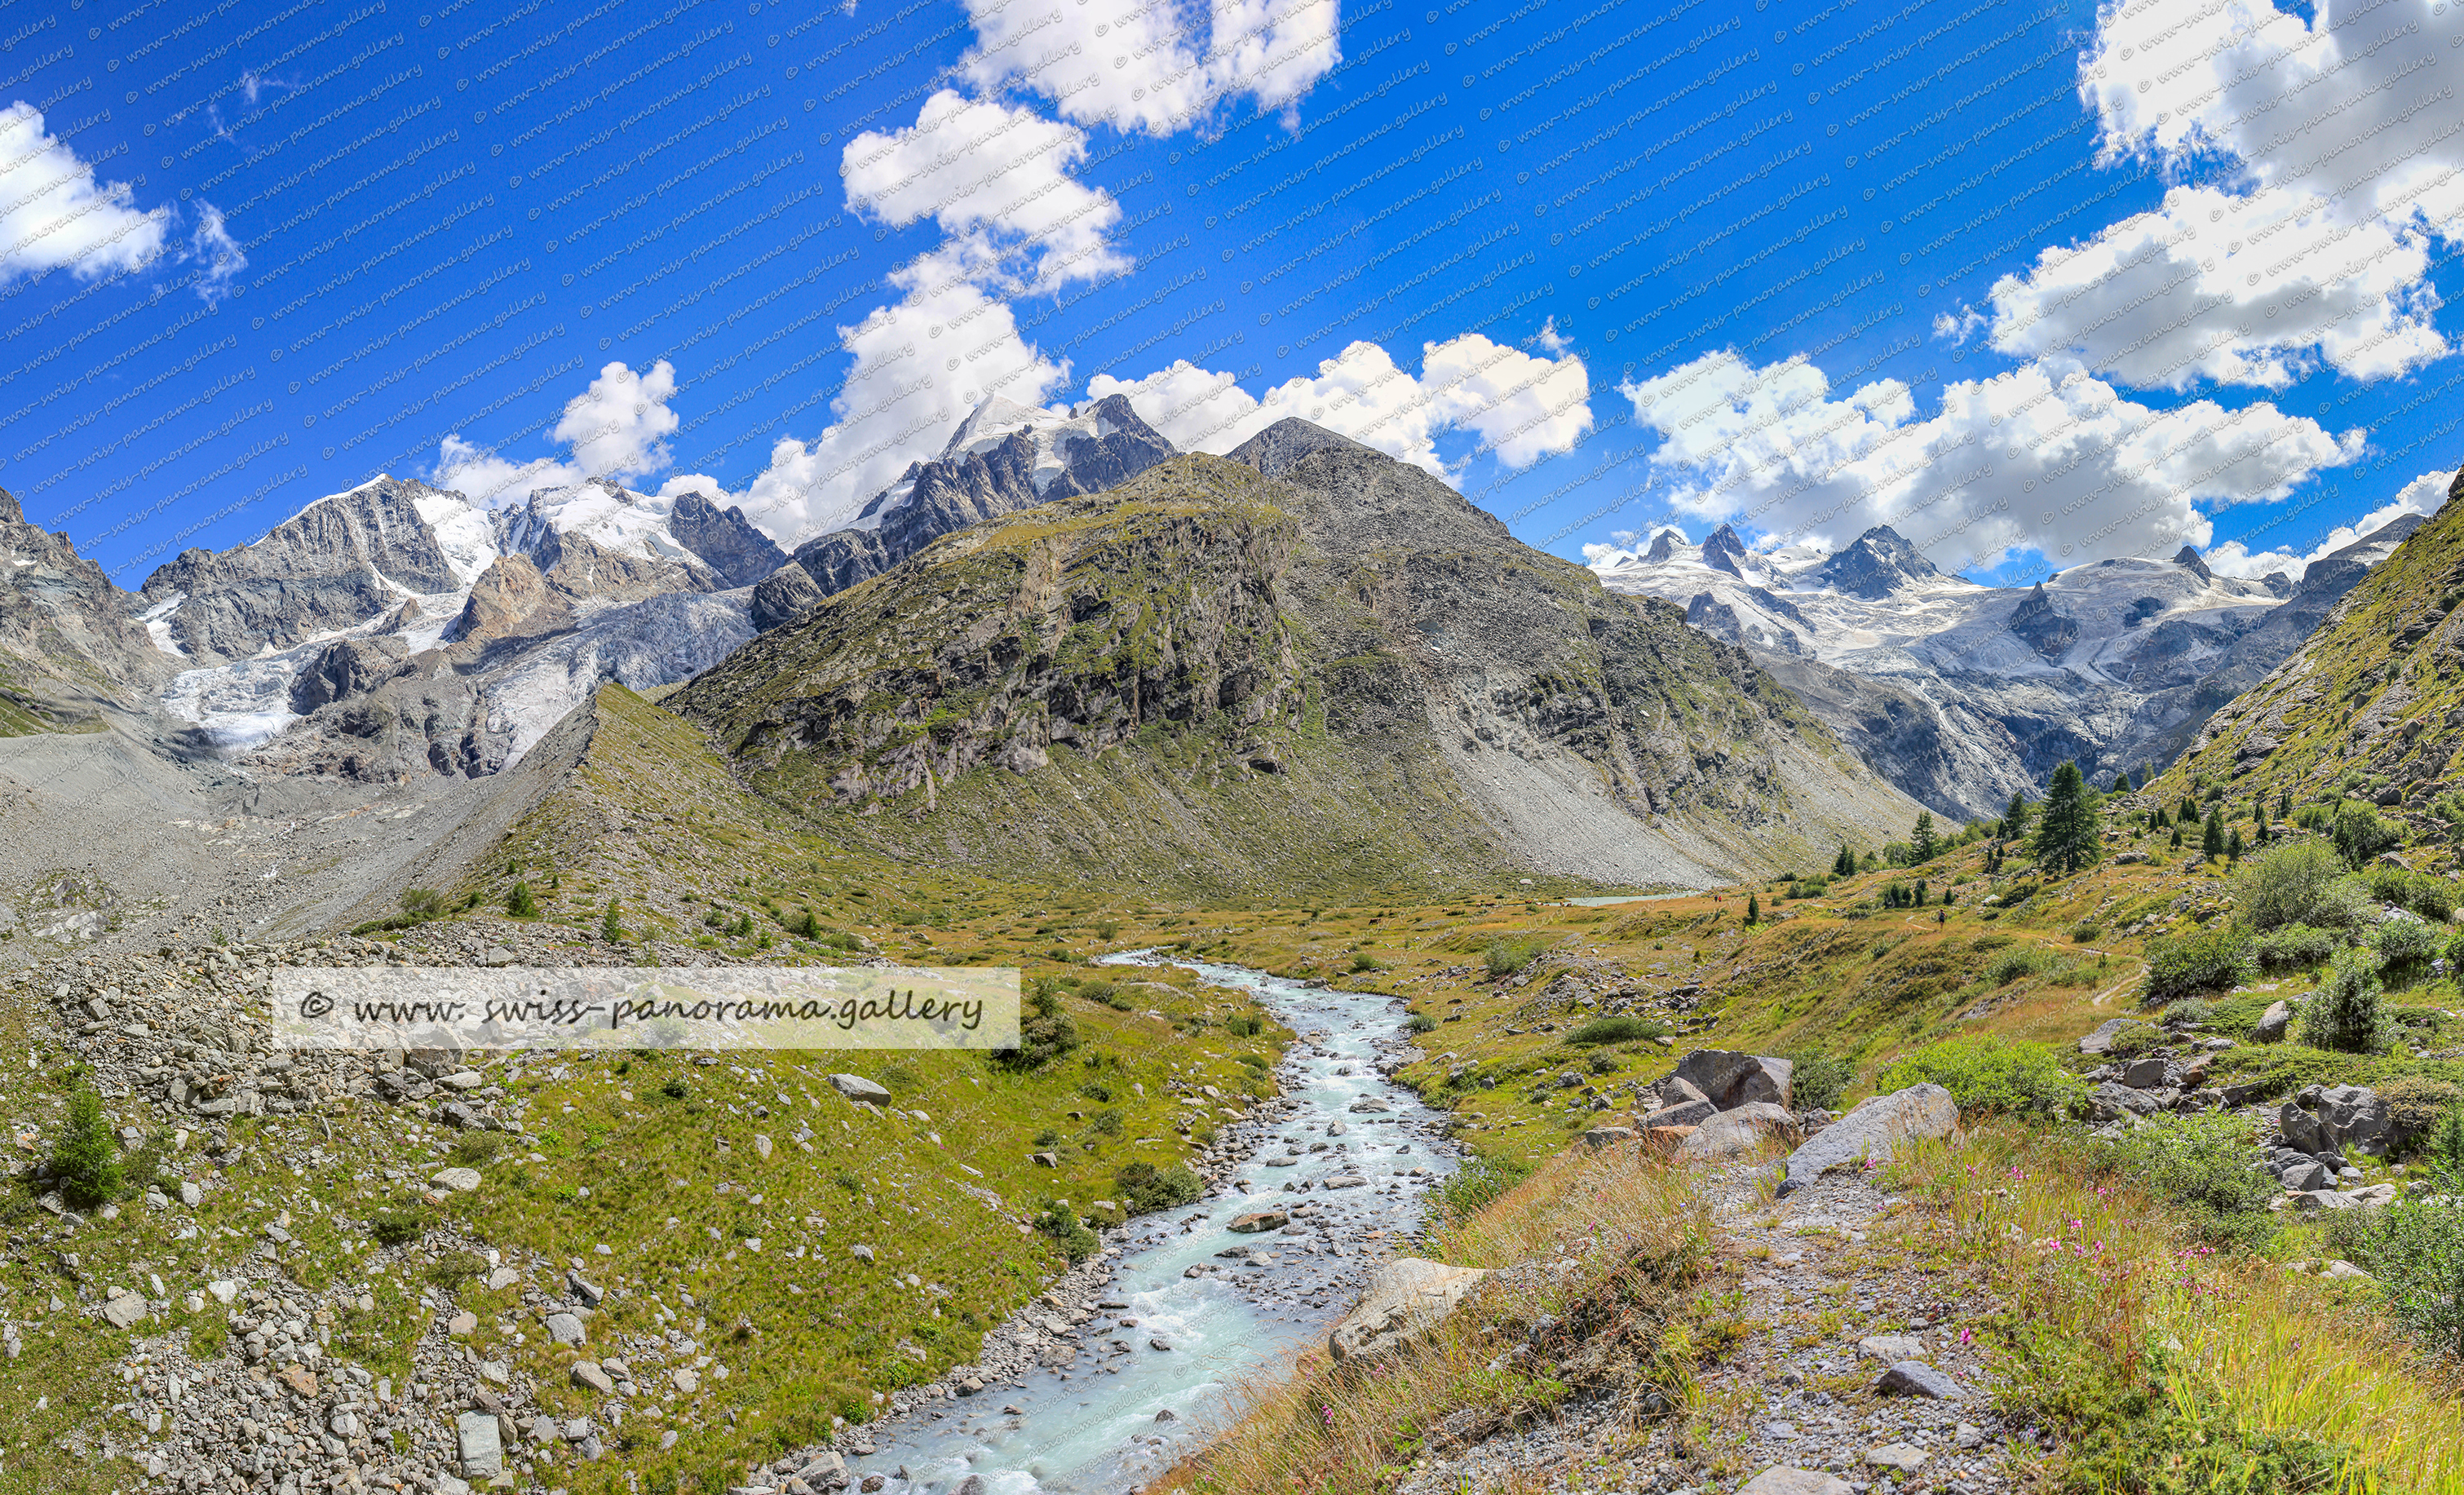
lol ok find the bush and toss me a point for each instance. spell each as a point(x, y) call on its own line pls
point(2187, 1013)
point(1419, 1023)
point(2288, 886)
point(520, 903)
point(2012, 964)
point(2297, 945)
point(2406, 945)
point(1506, 957)
point(674, 1088)
point(1619, 1029)
point(1362, 960)
point(2082, 934)
point(2202, 1163)
point(2416, 1251)
point(1817, 1080)
point(2135, 1039)
point(1042, 1038)
point(85, 1157)
point(422, 903)
point(2360, 834)
point(1988, 1075)
point(1143, 1186)
point(2434, 898)
point(2417, 1104)
point(1076, 1241)
point(1244, 1028)
point(2349, 1012)
point(397, 1228)
point(2179, 965)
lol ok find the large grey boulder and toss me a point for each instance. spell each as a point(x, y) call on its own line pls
point(2151, 1075)
point(480, 1445)
point(2303, 1131)
point(1404, 1297)
point(2100, 1040)
point(2111, 1102)
point(1676, 1091)
point(1873, 1130)
point(857, 1087)
point(2273, 1024)
point(1741, 1130)
point(2356, 1117)
point(1729, 1079)
point(1692, 1113)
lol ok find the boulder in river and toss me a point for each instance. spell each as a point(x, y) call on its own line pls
point(1253, 1221)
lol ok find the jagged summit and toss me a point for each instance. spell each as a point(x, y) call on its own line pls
point(2188, 560)
point(1281, 447)
point(1878, 563)
point(1723, 551)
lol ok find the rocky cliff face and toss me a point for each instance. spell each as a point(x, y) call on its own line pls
point(1305, 665)
point(70, 641)
point(725, 539)
point(2373, 700)
point(1002, 458)
point(336, 563)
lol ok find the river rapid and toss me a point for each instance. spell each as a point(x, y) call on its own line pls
point(1123, 1409)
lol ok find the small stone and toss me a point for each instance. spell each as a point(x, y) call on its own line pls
point(686, 1381)
point(761, 1145)
point(224, 1292)
point(1780, 1481)
point(125, 1310)
point(1891, 1347)
point(565, 1329)
point(1902, 1457)
point(190, 1195)
point(482, 1446)
point(592, 1377)
point(857, 1087)
point(462, 1080)
point(861, 1253)
point(1253, 1221)
point(1158, 1343)
point(461, 1180)
point(503, 1277)
point(1165, 1414)
point(462, 1324)
point(299, 1379)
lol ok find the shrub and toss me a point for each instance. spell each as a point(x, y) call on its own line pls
point(519, 903)
point(1622, 1029)
point(1076, 1241)
point(611, 931)
point(2189, 1012)
point(1256, 1060)
point(1106, 1122)
point(1990, 1075)
point(422, 903)
point(2287, 886)
point(2297, 945)
point(2360, 834)
point(2179, 965)
point(2135, 1039)
point(1506, 957)
point(1042, 1038)
point(2434, 898)
point(1363, 960)
point(674, 1088)
point(1096, 1090)
point(1818, 1080)
point(85, 1157)
point(477, 1148)
point(2417, 1103)
point(1419, 1023)
point(2416, 1251)
point(397, 1228)
point(1143, 1186)
point(2349, 1012)
point(2012, 964)
point(2201, 1162)
point(1244, 1028)
point(2406, 945)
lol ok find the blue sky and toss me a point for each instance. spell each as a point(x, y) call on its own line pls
point(2034, 285)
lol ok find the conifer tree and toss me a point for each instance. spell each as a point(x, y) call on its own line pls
point(2067, 831)
point(1754, 909)
point(2014, 818)
point(1923, 843)
point(2211, 840)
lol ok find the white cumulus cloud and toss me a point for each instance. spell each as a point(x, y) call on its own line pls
point(1152, 66)
point(60, 214)
point(994, 176)
point(1519, 406)
point(617, 427)
point(2046, 457)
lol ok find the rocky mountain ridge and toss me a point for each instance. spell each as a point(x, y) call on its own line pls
point(1250, 661)
point(1963, 694)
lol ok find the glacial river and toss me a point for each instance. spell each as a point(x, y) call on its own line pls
point(1093, 1426)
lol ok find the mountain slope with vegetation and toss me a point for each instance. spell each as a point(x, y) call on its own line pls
point(1334, 672)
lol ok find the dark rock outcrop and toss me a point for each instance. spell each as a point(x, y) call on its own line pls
point(2042, 626)
point(725, 539)
point(69, 641)
point(347, 668)
point(785, 596)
